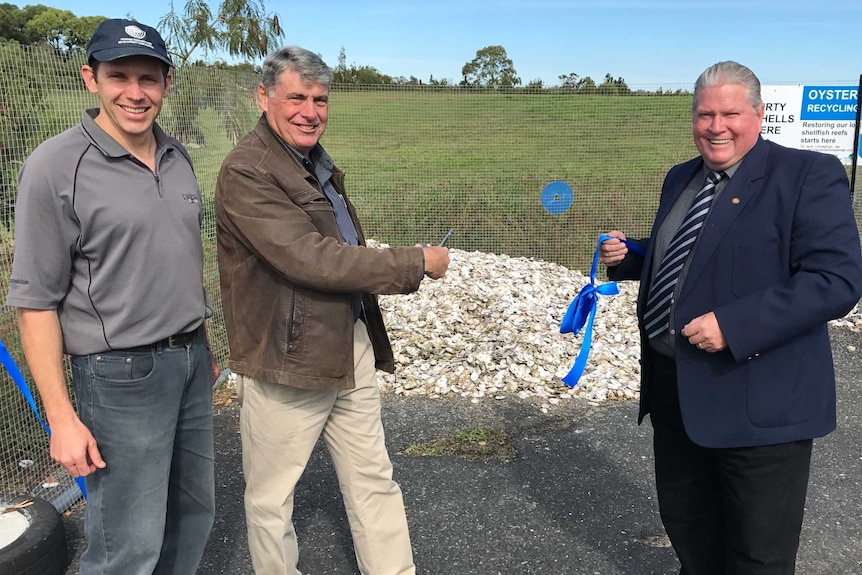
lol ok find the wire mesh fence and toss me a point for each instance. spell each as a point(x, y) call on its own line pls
point(420, 160)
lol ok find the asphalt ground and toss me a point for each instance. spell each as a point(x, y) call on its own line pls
point(577, 497)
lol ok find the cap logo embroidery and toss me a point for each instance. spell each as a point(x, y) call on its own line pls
point(135, 32)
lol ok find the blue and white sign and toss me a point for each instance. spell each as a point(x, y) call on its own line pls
point(820, 118)
point(829, 103)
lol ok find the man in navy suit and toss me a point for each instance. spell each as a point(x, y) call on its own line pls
point(737, 372)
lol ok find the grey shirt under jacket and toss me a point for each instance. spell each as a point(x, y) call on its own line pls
point(664, 343)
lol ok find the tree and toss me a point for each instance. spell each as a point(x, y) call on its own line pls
point(340, 75)
point(586, 85)
point(41, 25)
point(571, 82)
point(51, 26)
point(240, 28)
point(80, 31)
point(613, 86)
point(491, 68)
point(13, 22)
point(357, 75)
point(404, 81)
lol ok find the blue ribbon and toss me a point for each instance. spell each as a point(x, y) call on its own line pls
point(582, 311)
point(15, 374)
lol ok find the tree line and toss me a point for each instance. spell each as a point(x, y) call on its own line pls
point(245, 30)
point(490, 69)
point(240, 28)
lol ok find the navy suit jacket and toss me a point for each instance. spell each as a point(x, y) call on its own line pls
point(777, 259)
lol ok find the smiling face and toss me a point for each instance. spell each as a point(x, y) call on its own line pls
point(296, 111)
point(131, 91)
point(725, 125)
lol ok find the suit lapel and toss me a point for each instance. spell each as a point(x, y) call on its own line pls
point(671, 191)
point(727, 207)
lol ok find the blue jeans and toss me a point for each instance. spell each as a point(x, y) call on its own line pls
point(151, 509)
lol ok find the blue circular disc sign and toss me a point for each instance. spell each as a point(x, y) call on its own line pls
point(557, 197)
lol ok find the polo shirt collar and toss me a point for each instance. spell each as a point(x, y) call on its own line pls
point(108, 145)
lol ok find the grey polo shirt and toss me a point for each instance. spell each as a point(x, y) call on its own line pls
point(664, 343)
point(112, 246)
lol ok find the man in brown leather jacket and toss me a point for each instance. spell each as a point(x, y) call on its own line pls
point(303, 324)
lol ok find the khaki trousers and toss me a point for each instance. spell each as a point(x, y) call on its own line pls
point(280, 426)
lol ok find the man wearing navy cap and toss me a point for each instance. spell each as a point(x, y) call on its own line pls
point(108, 269)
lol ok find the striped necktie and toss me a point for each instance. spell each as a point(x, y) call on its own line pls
point(660, 299)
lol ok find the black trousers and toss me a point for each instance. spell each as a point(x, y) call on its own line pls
point(727, 511)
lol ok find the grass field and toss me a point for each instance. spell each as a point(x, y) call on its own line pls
point(417, 163)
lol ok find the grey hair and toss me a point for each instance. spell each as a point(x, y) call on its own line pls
point(310, 67)
point(733, 73)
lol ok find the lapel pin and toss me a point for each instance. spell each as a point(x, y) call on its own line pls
point(735, 200)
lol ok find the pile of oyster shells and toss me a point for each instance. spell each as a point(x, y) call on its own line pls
point(491, 329)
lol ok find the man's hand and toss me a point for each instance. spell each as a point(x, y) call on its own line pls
point(72, 444)
point(704, 333)
point(436, 261)
point(214, 367)
point(74, 447)
point(216, 370)
point(612, 252)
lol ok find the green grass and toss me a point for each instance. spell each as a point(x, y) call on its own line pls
point(420, 163)
point(417, 164)
point(480, 443)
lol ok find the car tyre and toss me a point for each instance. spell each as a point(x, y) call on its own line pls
point(40, 548)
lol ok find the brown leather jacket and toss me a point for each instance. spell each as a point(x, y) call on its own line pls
point(286, 275)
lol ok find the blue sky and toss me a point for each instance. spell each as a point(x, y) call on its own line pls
point(649, 43)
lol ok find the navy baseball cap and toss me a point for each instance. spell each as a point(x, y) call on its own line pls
point(118, 38)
